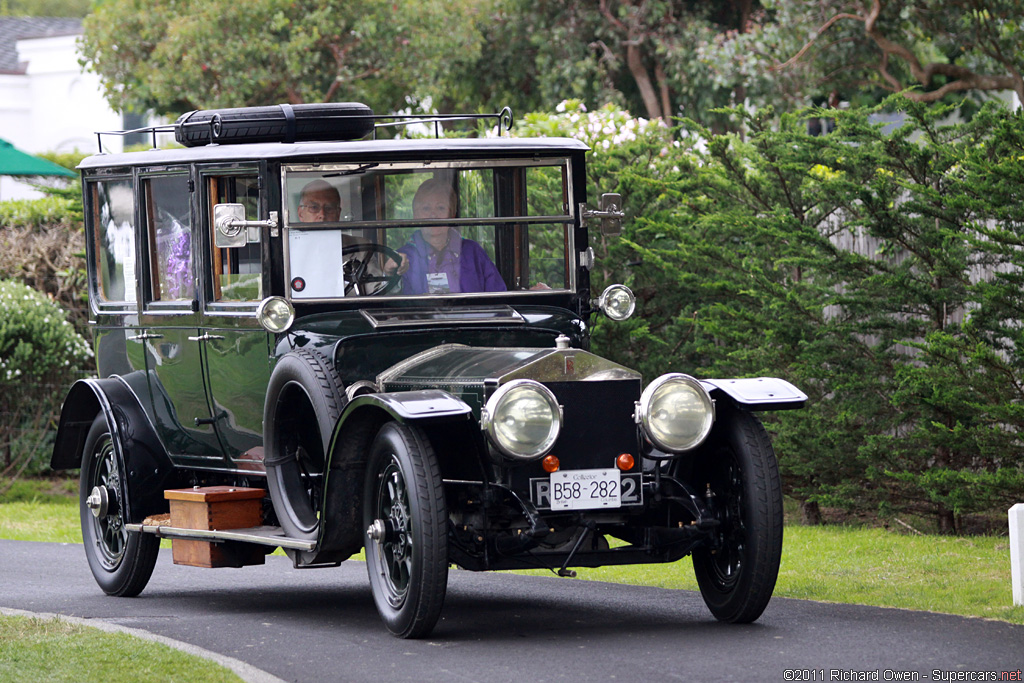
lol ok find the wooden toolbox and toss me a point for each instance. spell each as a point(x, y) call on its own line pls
point(216, 507)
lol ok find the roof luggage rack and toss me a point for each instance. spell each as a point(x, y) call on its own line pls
point(503, 117)
point(148, 130)
point(327, 122)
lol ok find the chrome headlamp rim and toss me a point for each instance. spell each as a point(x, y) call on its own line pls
point(264, 317)
point(602, 302)
point(645, 416)
point(494, 403)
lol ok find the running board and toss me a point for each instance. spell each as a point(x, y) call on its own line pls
point(261, 535)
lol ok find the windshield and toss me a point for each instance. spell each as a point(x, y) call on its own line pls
point(437, 229)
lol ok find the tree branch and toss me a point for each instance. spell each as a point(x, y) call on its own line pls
point(634, 61)
point(659, 73)
point(824, 27)
point(962, 77)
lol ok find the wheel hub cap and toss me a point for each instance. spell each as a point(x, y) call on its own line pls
point(101, 502)
point(392, 534)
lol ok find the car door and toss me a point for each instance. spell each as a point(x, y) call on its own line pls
point(237, 352)
point(170, 315)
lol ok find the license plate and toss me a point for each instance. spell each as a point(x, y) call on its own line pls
point(630, 491)
point(585, 489)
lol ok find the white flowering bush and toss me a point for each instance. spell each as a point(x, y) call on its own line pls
point(609, 129)
point(36, 340)
point(41, 354)
point(601, 129)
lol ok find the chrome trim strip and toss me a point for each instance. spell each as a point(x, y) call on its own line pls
point(462, 316)
point(427, 222)
point(261, 535)
point(496, 161)
point(189, 463)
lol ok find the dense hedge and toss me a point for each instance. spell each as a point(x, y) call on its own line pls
point(880, 271)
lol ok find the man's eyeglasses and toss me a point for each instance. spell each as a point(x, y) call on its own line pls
point(323, 209)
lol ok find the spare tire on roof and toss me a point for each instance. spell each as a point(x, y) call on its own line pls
point(278, 123)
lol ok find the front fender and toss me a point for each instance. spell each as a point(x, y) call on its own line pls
point(430, 405)
point(141, 455)
point(341, 534)
point(757, 393)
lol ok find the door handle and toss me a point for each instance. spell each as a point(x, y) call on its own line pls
point(144, 336)
point(206, 337)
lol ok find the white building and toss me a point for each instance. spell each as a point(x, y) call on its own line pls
point(47, 102)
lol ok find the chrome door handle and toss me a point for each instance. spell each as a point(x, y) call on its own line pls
point(144, 336)
point(206, 337)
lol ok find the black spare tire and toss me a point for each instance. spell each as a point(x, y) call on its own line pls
point(278, 123)
point(305, 398)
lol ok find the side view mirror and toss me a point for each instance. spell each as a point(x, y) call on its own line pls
point(231, 228)
point(609, 214)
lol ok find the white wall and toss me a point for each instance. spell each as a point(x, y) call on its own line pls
point(67, 105)
point(53, 107)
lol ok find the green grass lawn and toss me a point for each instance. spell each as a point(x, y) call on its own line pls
point(34, 649)
point(53, 650)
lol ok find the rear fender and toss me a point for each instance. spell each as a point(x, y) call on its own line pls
point(138, 451)
point(757, 393)
point(432, 410)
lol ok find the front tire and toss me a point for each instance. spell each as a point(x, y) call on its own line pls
point(738, 577)
point(121, 562)
point(405, 517)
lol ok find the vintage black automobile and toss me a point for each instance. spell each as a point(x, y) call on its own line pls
point(384, 344)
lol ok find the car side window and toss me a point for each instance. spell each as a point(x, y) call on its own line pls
point(112, 208)
point(169, 229)
point(236, 270)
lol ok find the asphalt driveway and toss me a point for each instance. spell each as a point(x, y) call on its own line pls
point(320, 625)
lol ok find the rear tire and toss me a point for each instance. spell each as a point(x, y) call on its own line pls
point(121, 561)
point(738, 577)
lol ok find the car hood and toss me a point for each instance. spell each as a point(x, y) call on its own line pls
point(473, 373)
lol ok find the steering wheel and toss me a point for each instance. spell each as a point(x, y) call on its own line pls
point(357, 270)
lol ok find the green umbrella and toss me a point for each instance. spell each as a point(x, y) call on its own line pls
point(17, 163)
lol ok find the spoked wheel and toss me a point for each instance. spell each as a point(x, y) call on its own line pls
point(737, 576)
point(406, 531)
point(121, 562)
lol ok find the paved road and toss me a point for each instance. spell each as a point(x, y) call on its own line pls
point(321, 625)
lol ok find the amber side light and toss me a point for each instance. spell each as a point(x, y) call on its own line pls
point(550, 463)
point(625, 462)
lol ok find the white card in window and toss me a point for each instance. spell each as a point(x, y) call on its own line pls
point(315, 260)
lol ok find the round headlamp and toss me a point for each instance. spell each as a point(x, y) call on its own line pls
point(617, 302)
point(522, 419)
point(276, 314)
point(676, 413)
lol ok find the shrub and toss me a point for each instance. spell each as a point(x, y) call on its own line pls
point(42, 245)
point(41, 354)
point(38, 212)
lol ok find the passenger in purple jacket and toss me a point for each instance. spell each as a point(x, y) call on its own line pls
point(438, 259)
